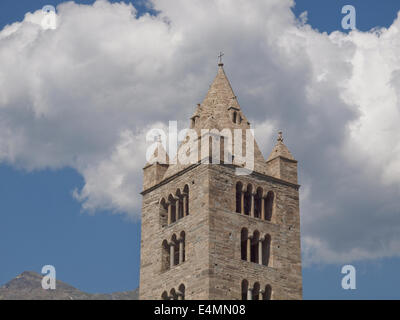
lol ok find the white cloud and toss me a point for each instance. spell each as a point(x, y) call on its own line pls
point(83, 96)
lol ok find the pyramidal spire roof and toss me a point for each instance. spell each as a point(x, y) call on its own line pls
point(221, 92)
point(219, 110)
point(280, 150)
point(215, 112)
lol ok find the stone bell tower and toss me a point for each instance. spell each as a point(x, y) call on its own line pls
point(209, 233)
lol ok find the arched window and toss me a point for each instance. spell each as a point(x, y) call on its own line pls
point(171, 200)
point(269, 205)
point(256, 291)
point(243, 244)
point(182, 291)
point(179, 204)
point(186, 199)
point(165, 259)
point(247, 199)
point(173, 252)
point(266, 250)
point(244, 287)
point(164, 296)
point(239, 188)
point(257, 203)
point(267, 295)
point(173, 294)
point(163, 213)
point(182, 247)
point(175, 243)
point(234, 117)
point(254, 247)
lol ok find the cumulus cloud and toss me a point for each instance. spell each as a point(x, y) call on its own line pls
point(84, 95)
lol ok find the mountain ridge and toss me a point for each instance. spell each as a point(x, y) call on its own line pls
point(28, 286)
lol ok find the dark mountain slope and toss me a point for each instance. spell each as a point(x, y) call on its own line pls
point(28, 286)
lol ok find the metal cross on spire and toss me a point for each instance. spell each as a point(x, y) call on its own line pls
point(221, 54)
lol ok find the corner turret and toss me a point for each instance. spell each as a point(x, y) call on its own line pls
point(281, 163)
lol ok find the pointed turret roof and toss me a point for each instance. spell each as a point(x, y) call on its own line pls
point(159, 155)
point(280, 150)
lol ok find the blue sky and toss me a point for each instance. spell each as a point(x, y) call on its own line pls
point(42, 223)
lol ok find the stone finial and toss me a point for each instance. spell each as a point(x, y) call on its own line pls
point(280, 136)
point(280, 150)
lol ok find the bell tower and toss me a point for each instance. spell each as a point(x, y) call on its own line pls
point(209, 233)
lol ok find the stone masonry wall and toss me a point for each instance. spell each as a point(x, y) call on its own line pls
point(194, 271)
point(213, 268)
point(227, 268)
